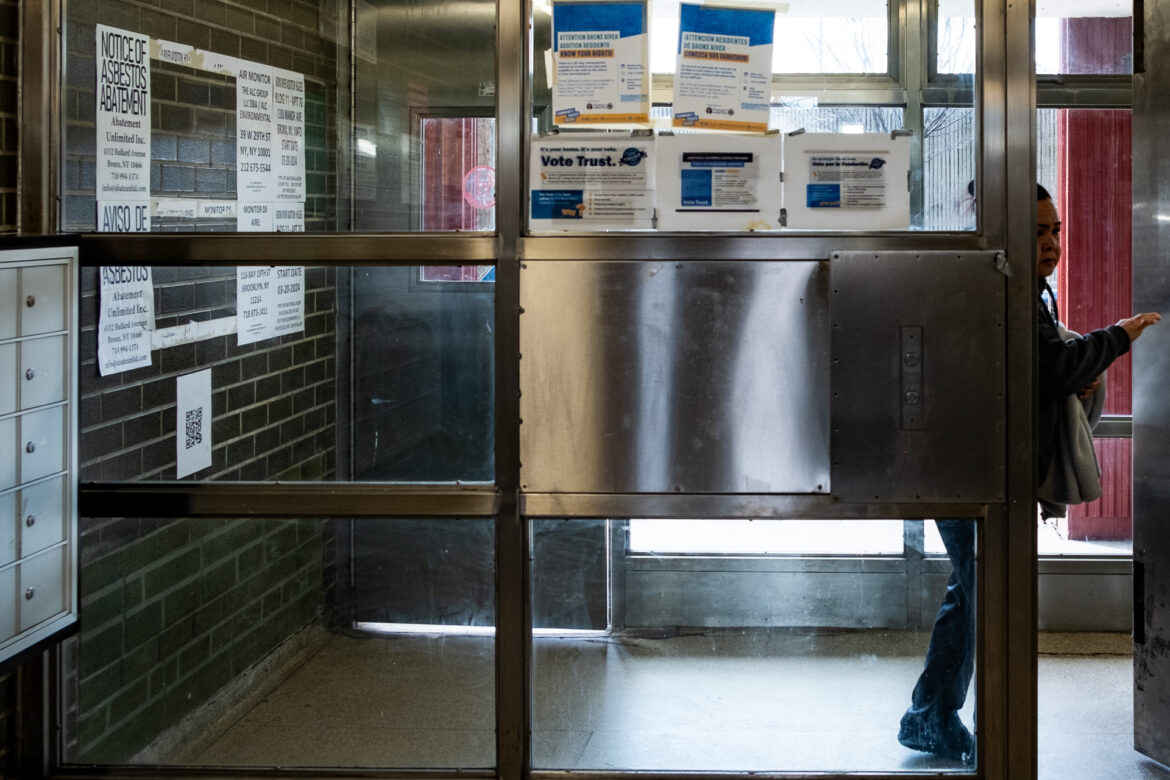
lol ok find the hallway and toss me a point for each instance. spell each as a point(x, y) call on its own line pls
point(728, 701)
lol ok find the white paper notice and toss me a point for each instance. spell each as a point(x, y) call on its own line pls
point(288, 217)
point(269, 302)
point(847, 182)
point(123, 216)
point(592, 183)
point(718, 182)
point(123, 115)
point(255, 178)
point(600, 51)
point(126, 318)
point(193, 423)
point(723, 76)
point(254, 217)
point(288, 97)
point(217, 209)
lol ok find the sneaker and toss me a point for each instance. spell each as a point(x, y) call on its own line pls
point(946, 737)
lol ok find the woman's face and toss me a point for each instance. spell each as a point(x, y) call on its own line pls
point(1047, 238)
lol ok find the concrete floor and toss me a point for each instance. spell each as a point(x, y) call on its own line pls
point(733, 701)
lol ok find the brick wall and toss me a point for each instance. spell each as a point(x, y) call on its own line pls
point(9, 122)
point(9, 149)
point(174, 609)
point(193, 112)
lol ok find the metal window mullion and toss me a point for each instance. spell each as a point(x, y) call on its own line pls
point(301, 500)
point(914, 79)
point(513, 615)
point(343, 249)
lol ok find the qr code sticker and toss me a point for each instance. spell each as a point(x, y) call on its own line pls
point(194, 427)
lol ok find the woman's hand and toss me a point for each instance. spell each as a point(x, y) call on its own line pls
point(1138, 323)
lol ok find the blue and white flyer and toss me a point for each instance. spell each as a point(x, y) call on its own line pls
point(717, 182)
point(838, 181)
point(601, 51)
point(591, 182)
point(723, 79)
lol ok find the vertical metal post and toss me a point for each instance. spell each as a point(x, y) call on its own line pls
point(513, 646)
point(1019, 536)
point(1006, 91)
point(40, 75)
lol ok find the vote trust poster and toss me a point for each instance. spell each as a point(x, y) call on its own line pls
point(591, 183)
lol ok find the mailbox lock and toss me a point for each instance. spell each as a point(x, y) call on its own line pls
point(30, 521)
point(30, 301)
point(911, 359)
point(911, 398)
point(28, 594)
point(29, 374)
point(30, 448)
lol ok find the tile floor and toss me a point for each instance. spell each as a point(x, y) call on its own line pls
point(732, 701)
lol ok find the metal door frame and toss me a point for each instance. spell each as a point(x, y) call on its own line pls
point(1005, 101)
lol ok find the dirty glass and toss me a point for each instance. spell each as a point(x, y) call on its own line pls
point(290, 373)
point(233, 116)
point(692, 663)
point(238, 642)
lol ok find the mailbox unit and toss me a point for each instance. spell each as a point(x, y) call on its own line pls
point(38, 450)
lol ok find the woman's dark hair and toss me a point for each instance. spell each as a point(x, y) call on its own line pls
point(1041, 193)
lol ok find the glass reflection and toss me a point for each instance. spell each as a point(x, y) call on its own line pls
point(371, 374)
point(231, 642)
point(749, 664)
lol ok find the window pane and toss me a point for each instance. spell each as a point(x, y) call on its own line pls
point(234, 116)
point(738, 664)
point(230, 642)
point(948, 158)
point(315, 374)
point(809, 37)
point(1085, 162)
point(1084, 36)
point(955, 39)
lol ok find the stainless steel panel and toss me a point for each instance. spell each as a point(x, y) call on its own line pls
point(42, 371)
point(918, 330)
point(8, 513)
point(42, 515)
point(667, 377)
point(42, 299)
point(8, 457)
point(8, 302)
point(1151, 401)
point(42, 443)
point(42, 587)
point(8, 379)
point(733, 505)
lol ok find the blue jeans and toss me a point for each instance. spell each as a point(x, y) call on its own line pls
point(950, 658)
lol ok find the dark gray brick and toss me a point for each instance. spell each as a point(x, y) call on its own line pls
point(194, 150)
point(178, 178)
point(210, 180)
point(164, 147)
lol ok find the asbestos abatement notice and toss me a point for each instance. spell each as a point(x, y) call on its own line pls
point(123, 115)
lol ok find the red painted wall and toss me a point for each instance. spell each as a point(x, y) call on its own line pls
point(1095, 285)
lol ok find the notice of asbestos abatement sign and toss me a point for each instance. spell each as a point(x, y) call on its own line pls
point(123, 115)
point(126, 318)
